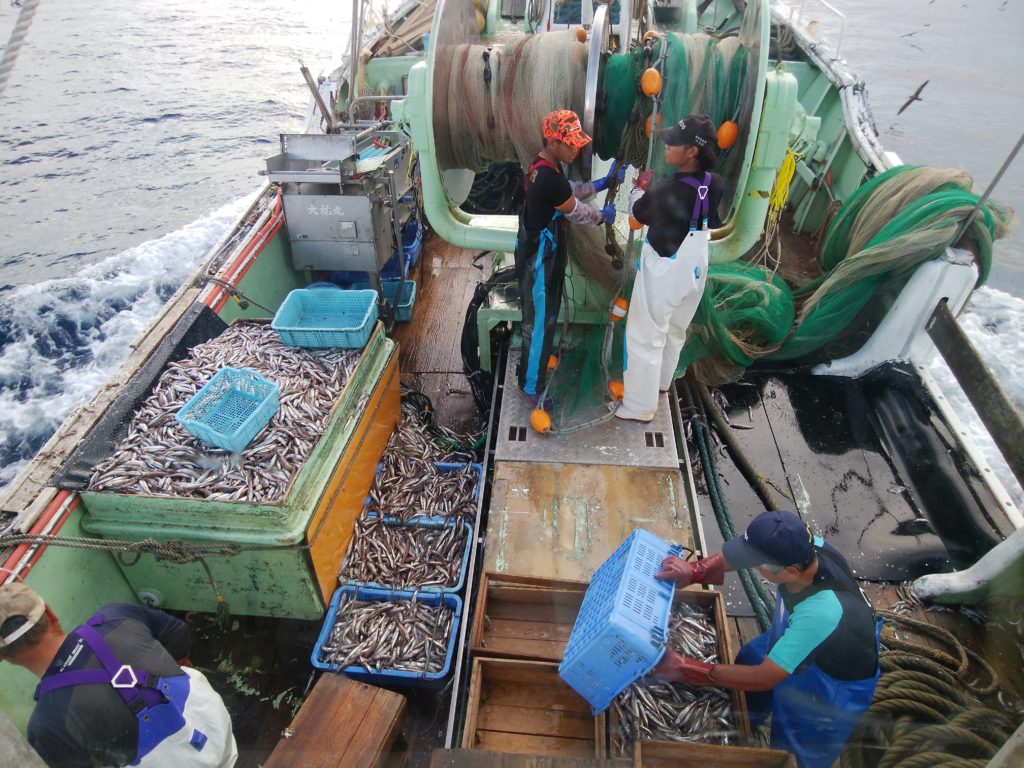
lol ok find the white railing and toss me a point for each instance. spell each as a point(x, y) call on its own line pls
point(836, 11)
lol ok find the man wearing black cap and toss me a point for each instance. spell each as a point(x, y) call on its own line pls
point(110, 691)
point(816, 667)
point(673, 267)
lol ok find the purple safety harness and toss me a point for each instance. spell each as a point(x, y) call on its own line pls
point(130, 685)
point(702, 206)
point(156, 704)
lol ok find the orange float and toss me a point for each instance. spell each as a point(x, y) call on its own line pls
point(619, 306)
point(728, 132)
point(651, 122)
point(540, 420)
point(634, 224)
point(650, 82)
point(552, 363)
point(581, 35)
point(617, 390)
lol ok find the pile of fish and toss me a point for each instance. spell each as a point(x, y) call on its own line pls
point(400, 556)
point(405, 636)
point(655, 709)
point(408, 484)
point(159, 458)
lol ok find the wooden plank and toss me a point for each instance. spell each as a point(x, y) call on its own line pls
point(480, 758)
point(564, 520)
point(518, 648)
point(530, 744)
point(534, 720)
point(524, 672)
point(341, 723)
point(514, 694)
point(671, 754)
point(528, 630)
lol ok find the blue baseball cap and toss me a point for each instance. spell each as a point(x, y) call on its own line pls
point(772, 538)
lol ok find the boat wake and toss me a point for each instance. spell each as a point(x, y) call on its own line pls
point(60, 340)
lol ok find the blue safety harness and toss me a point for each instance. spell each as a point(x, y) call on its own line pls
point(157, 705)
point(813, 713)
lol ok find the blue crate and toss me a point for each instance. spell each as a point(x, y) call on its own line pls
point(388, 676)
point(421, 521)
point(325, 316)
point(478, 469)
point(622, 627)
point(231, 409)
point(403, 305)
point(441, 466)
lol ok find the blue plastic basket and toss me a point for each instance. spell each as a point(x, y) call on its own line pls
point(231, 409)
point(420, 522)
point(326, 316)
point(389, 676)
point(440, 466)
point(403, 305)
point(622, 627)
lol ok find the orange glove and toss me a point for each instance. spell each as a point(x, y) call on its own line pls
point(710, 570)
point(643, 181)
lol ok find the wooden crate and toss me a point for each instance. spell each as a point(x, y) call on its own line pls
point(674, 754)
point(520, 617)
point(524, 707)
point(716, 601)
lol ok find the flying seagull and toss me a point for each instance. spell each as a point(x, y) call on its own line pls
point(915, 97)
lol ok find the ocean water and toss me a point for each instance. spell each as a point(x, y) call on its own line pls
point(132, 134)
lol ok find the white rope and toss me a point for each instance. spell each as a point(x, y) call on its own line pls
point(18, 35)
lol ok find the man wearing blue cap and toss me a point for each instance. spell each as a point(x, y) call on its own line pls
point(815, 669)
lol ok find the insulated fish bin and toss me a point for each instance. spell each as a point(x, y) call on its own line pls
point(290, 549)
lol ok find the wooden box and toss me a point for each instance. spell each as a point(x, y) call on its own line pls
point(674, 754)
point(520, 617)
point(726, 654)
point(524, 707)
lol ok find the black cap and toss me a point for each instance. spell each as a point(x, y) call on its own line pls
point(775, 538)
point(693, 130)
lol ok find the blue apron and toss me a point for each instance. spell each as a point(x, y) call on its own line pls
point(813, 713)
point(157, 705)
point(540, 262)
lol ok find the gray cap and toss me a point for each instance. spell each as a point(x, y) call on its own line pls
point(18, 600)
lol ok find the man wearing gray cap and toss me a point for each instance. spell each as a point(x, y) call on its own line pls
point(815, 669)
point(110, 691)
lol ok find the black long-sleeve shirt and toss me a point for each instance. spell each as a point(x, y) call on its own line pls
point(666, 208)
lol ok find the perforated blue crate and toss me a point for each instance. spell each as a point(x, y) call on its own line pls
point(388, 676)
point(231, 409)
point(402, 303)
point(417, 522)
point(621, 629)
point(326, 316)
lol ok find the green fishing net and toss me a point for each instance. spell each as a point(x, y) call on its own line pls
point(887, 227)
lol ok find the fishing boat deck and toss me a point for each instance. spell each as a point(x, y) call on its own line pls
point(430, 358)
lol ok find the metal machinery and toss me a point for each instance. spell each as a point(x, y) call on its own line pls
point(346, 196)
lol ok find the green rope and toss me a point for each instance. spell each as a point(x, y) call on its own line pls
point(762, 603)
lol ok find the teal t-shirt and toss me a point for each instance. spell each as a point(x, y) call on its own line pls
point(830, 624)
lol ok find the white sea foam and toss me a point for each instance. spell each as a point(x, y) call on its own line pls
point(994, 322)
point(66, 337)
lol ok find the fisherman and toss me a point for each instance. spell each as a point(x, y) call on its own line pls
point(550, 200)
point(111, 692)
point(815, 669)
point(673, 266)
